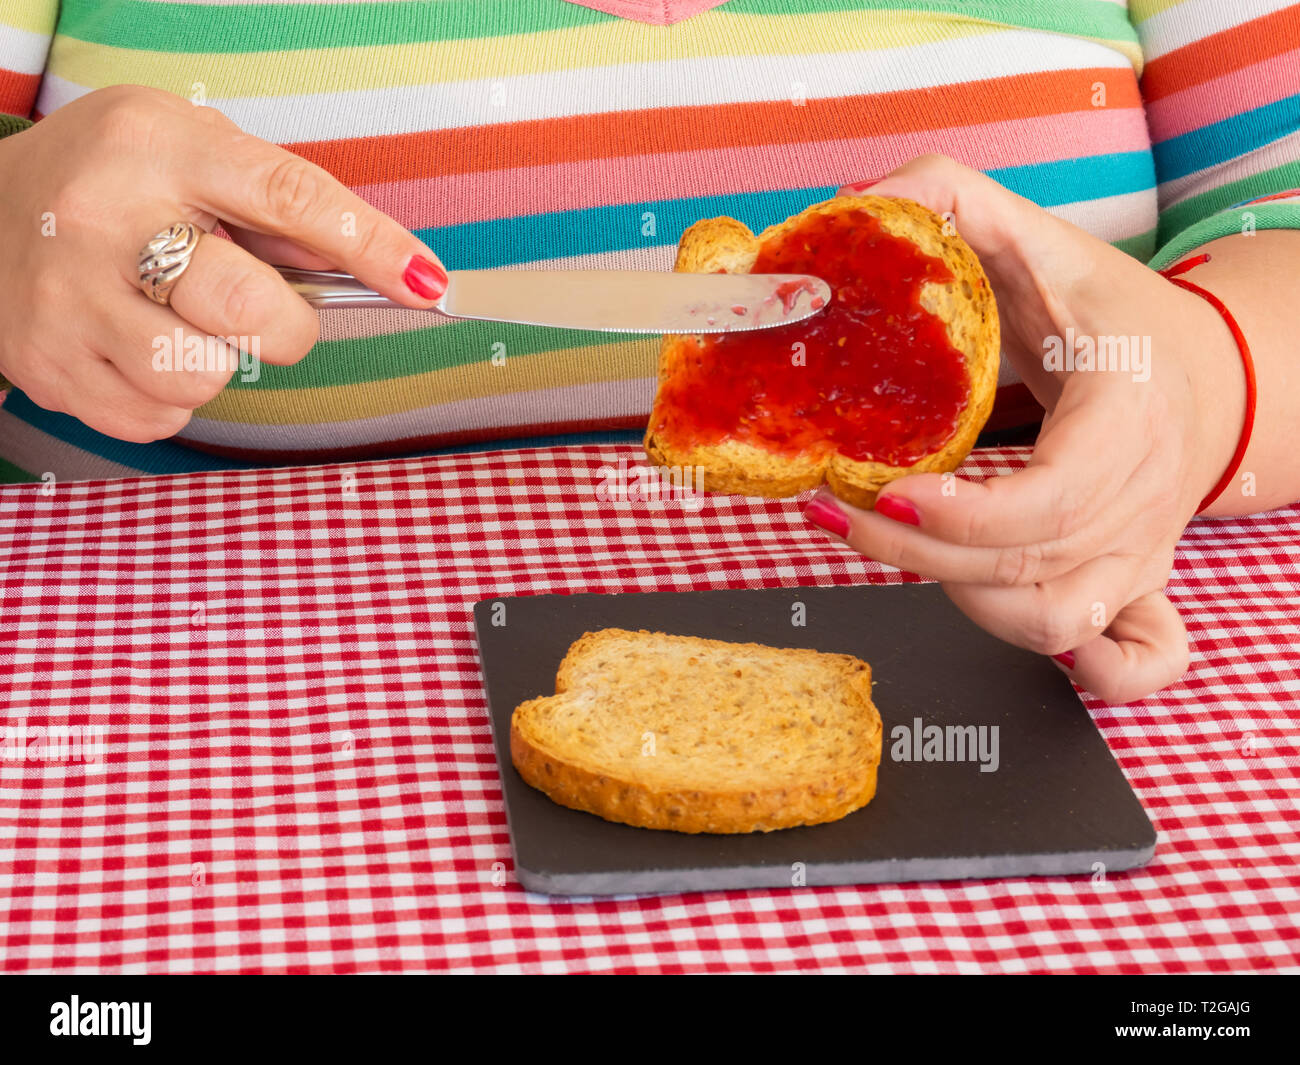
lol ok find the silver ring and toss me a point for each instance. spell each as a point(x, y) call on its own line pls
point(165, 258)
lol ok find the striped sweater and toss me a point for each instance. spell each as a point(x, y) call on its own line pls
point(552, 133)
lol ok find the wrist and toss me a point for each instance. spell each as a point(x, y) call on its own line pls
point(1216, 380)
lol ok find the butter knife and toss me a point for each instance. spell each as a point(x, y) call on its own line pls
point(621, 301)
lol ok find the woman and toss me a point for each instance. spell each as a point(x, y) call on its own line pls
point(388, 140)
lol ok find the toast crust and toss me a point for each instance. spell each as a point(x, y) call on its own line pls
point(966, 306)
point(622, 798)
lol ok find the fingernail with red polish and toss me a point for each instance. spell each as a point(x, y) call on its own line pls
point(425, 279)
point(828, 516)
point(1066, 658)
point(857, 186)
point(899, 509)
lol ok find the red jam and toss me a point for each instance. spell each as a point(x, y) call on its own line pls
point(877, 378)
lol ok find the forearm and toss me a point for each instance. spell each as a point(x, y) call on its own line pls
point(10, 124)
point(1254, 277)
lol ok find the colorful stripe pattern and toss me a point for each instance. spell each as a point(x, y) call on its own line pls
point(542, 133)
point(1222, 87)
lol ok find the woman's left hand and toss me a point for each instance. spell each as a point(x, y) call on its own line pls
point(1070, 556)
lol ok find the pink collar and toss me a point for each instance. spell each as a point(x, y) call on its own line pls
point(655, 12)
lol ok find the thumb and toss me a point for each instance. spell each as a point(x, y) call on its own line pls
point(1018, 241)
point(1033, 259)
point(986, 214)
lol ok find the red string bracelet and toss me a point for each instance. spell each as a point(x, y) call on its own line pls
point(1170, 273)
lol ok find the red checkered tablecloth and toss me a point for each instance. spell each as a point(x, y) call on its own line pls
point(296, 770)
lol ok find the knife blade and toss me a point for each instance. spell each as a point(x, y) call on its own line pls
point(620, 301)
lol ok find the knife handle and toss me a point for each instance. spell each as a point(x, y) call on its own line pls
point(331, 288)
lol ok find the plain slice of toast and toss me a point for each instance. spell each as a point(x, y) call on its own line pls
point(965, 304)
point(696, 735)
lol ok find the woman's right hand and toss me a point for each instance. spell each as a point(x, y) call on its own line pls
point(88, 186)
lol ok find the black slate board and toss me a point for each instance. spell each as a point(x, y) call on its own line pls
point(1056, 804)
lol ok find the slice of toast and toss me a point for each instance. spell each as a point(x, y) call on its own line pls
point(965, 305)
point(696, 735)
